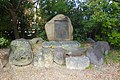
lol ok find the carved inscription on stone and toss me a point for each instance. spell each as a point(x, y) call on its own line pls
point(61, 30)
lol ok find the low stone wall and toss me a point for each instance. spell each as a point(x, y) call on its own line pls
point(42, 53)
point(60, 52)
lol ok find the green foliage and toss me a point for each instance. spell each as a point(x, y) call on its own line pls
point(113, 56)
point(4, 42)
point(42, 34)
point(114, 38)
point(50, 8)
point(77, 17)
point(103, 20)
point(98, 19)
point(47, 10)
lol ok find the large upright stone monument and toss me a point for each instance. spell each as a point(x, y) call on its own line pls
point(59, 28)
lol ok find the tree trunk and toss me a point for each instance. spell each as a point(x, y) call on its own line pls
point(14, 21)
point(16, 33)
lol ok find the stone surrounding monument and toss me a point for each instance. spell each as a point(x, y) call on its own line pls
point(97, 51)
point(78, 62)
point(59, 56)
point(20, 52)
point(36, 41)
point(59, 28)
point(48, 57)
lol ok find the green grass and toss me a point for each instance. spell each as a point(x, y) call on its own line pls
point(90, 66)
point(113, 55)
point(81, 46)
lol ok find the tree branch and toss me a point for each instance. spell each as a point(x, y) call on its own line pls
point(6, 8)
point(18, 5)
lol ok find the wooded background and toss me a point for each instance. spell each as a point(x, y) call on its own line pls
point(96, 19)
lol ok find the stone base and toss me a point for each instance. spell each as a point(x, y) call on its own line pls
point(80, 62)
point(66, 53)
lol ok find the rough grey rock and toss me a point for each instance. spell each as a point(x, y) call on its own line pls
point(103, 45)
point(37, 49)
point(38, 60)
point(20, 52)
point(3, 58)
point(48, 56)
point(95, 56)
point(50, 28)
point(59, 56)
point(51, 44)
point(36, 40)
point(69, 44)
point(81, 62)
point(97, 52)
point(90, 40)
point(76, 51)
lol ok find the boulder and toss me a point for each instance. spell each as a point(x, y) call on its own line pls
point(37, 49)
point(90, 40)
point(3, 58)
point(47, 56)
point(81, 62)
point(38, 60)
point(75, 51)
point(59, 28)
point(97, 51)
point(69, 44)
point(36, 44)
point(51, 44)
point(95, 56)
point(20, 52)
point(103, 45)
point(36, 41)
point(59, 56)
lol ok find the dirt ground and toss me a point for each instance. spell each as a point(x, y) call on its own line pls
point(55, 72)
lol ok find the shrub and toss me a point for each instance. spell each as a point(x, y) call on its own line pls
point(4, 42)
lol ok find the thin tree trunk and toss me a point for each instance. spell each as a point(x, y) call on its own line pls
point(14, 21)
point(16, 33)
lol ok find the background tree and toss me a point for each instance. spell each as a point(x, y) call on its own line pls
point(12, 11)
point(103, 20)
point(47, 9)
point(97, 19)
